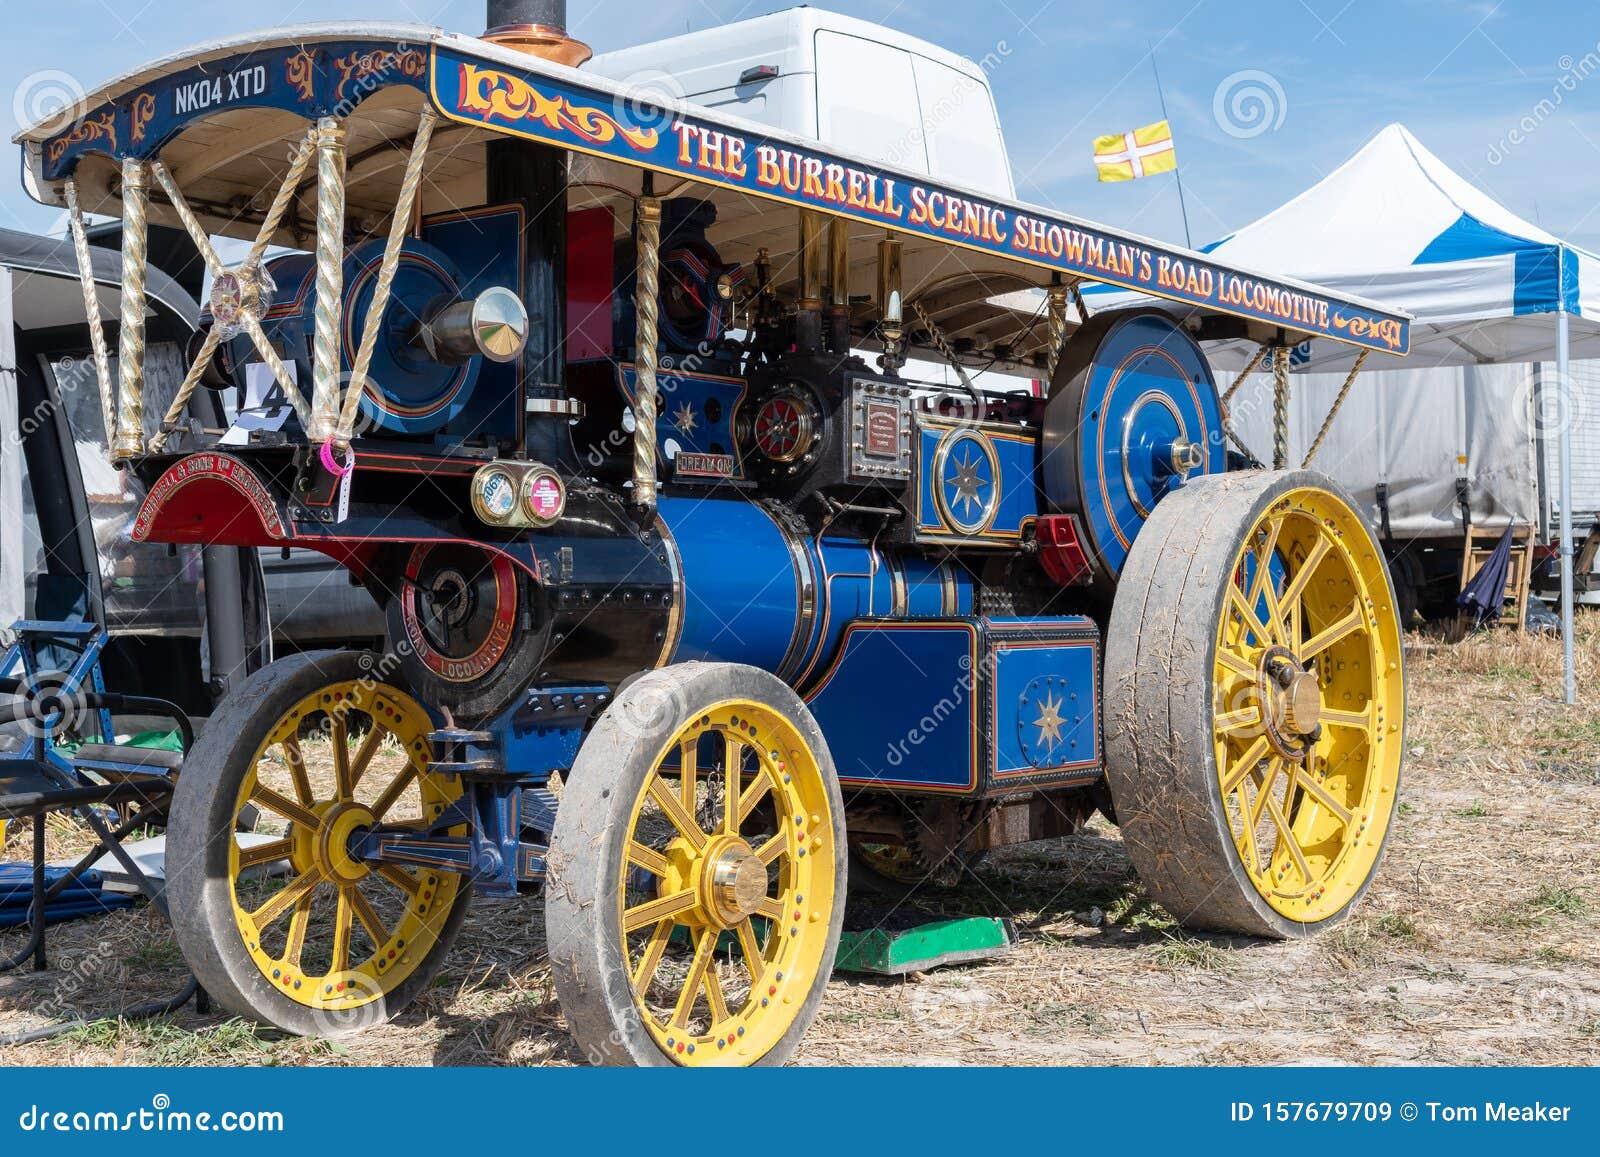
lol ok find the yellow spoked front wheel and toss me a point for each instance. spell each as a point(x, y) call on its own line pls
point(1253, 677)
point(287, 924)
point(696, 872)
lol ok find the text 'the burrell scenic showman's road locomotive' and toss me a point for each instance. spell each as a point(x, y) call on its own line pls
point(694, 598)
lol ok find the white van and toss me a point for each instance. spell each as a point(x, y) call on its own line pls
point(860, 88)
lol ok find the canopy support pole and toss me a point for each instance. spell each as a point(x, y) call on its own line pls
point(1280, 407)
point(1564, 438)
point(128, 438)
point(330, 281)
point(891, 304)
point(647, 303)
point(1057, 326)
point(1333, 410)
point(91, 308)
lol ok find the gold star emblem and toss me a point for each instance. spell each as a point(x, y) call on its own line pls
point(683, 417)
point(1049, 722)
point(967, 484)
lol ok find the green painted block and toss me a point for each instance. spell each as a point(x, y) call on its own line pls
point(927, 946)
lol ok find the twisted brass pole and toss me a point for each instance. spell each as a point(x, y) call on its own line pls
point(128, 440)
point(1057, 324)
point(91, 308)
point(1280, 407)
point(330, 280)
point(647, 307)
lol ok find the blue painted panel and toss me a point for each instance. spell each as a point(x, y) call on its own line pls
point(974, 484)
point(740, 593)
point(1045, 707)
point(695, 411)
point(899, 706)
point(486, 245)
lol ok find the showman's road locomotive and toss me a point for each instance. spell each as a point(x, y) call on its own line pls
point(694, 598)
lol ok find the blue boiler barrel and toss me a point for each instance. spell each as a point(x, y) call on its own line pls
point(755, 587)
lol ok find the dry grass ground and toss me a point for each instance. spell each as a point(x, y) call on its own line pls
point(1478, 944)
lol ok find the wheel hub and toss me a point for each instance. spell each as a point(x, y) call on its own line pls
point(738, 884)
point(327, 846)
point(1291, 702)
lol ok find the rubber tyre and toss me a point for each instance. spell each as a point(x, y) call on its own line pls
point(201, 826)
point(593, 826)
point(1160, 759)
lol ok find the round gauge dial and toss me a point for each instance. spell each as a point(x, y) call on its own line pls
point(496, 495)
point(785, 427)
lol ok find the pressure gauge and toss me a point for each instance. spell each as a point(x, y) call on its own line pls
point(543, 496)
point(494, 494)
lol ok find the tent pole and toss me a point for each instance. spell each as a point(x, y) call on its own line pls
point(1564, 384)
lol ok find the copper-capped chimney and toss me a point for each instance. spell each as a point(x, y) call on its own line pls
point(534, 175)
point(537, 27)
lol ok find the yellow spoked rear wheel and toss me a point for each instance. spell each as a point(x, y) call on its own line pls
point(1255, 702)
point(1309, 704)
point(287, 924)
point(718, 882)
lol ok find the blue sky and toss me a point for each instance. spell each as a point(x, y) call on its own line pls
point(1463, 74)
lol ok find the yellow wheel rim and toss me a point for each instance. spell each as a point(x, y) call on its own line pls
point(727, 893)
point(333, 932)
point(1309, 705)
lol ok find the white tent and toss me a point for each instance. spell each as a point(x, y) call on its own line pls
point(1394, 223)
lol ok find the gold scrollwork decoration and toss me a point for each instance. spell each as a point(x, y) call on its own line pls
point(360, 66)
point(143, 108)
point(299, 70)
point(1385, 329)
point(100, 128)
point(486, 92)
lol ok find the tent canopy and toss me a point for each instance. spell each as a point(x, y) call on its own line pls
point(1396, 224)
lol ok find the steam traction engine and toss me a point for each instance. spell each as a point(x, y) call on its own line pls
point(693, 596)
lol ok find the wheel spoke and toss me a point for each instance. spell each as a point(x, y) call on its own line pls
point(773, 848)
point(658, 909)
point(752, 795)
point(1235, 664)
point(688, 769)
point(1244, 766)
point(298, 924)
point(1309, 784)
point(1330, 635)
point(391, 794)
point(771, 907)
point(1264, 792)
point(399, 877)
point(296, 761)
point(287, 897)
point(704, 949)
point(1360, 720)
point(368, 917)
point(714, 996)
point(1247, 612)
point(733, 782)
point(284, 806)
point(340, 738)
point(649, 859)
point(263, 854)
point(1228, 721)
point(750, 949)
point(651, 960)
point(1286, 838)
point(681, 817)
point(369, 747)
point(1302, 577)
point(342, 917)
point(1264, 562)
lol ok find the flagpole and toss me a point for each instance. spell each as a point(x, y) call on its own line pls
point(1177, 169)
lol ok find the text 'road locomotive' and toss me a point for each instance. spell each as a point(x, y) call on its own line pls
point(693, 596)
